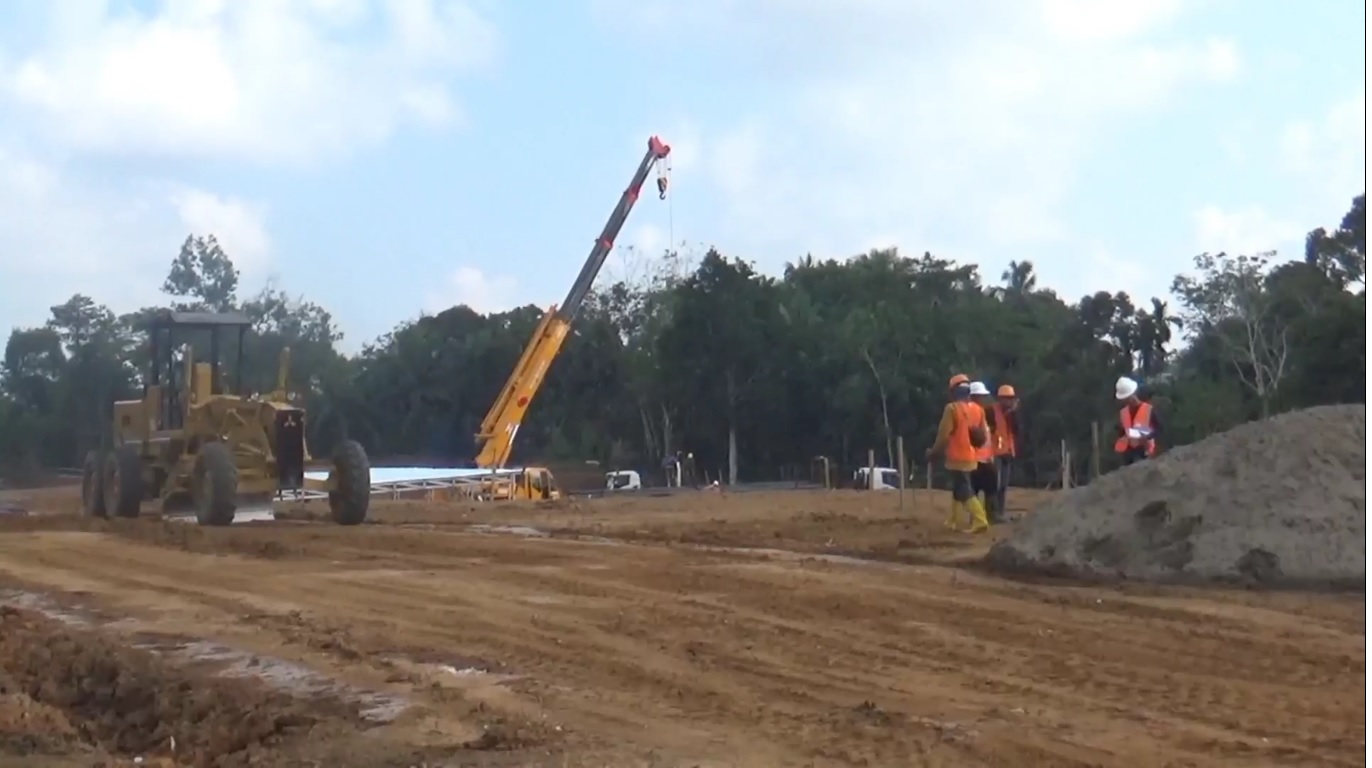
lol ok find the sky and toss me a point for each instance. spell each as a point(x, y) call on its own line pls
point(390, 157)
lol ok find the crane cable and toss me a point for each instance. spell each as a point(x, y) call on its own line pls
point(664, 183)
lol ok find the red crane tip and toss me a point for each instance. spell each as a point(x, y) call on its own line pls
point(658, 148)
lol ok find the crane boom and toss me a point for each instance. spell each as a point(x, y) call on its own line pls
point(498, 429)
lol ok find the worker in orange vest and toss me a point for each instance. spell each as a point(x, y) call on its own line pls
point(1138, 423)
point(961, 430)
point(984, 479)
point(1005, 434)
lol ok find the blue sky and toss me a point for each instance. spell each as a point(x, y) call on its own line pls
point(388, 158)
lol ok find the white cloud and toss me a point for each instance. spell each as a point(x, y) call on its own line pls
point(954, 128)
point(265, 80)
point(647, 239)
point(1245, 231)
point(95, 88)
point(239, 226)
point(473, 287)
point(62, 233)
point(1324, 158)
point(1329, 151)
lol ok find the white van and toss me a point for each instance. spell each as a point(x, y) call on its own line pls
point(887, 479)
point(623, 480)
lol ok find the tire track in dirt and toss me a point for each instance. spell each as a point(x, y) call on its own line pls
point(1203, 679)
point(682, 648)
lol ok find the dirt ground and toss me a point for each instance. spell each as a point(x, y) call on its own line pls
point(802, 628)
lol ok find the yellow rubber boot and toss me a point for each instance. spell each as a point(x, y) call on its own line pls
point(978, 514)
point(954, 515)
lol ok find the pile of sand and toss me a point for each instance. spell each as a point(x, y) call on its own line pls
point(1276, 502)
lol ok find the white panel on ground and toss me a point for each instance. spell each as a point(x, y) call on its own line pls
point(386, 475)
point(255, 515)
point(386, 481)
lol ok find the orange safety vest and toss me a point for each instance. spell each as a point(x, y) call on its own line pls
point(1140, 420)
point(987, 452)
point(1005, 437)
point(959, 447)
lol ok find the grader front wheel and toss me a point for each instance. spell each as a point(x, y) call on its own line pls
point(352, 484)
point(215, 485)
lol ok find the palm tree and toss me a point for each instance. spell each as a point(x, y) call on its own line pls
point(1153, 333)
point(1019, 279)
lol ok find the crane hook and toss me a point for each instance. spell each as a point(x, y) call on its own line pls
point(661, 187)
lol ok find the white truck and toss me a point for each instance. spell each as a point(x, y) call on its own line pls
point(622, 480)
point(885, 479)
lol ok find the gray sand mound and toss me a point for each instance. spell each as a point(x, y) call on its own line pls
point(1279, 502)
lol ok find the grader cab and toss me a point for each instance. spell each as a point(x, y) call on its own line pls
point(192, 441)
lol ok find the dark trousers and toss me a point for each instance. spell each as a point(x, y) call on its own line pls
point(1132, 455)
point(1004, 466)
point(984, 482)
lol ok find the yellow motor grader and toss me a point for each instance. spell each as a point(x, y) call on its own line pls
point(189, 442)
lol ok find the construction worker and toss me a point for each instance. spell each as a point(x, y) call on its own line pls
point(1005, 433)
point(1138, 423)
point(962, 425)
point(984, 480)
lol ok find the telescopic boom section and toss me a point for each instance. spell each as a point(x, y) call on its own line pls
point(498, 429)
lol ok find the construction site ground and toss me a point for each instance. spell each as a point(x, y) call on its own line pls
point(824, 628)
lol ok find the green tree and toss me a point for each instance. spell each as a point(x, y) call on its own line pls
point(752, 373)
point(1229, 299)
point(203, 276)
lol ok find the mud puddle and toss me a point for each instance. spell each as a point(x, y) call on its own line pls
point(525, 531)
point(281, 675)
point(221, 661)
point(511, 530)
point(71, 691)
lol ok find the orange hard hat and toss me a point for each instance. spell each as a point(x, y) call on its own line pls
point(1005, 390)
point(958, 378)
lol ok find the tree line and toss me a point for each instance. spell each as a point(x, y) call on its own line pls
point(753, 373)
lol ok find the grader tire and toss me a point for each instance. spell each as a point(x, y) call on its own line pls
point(93, 485)
point(216, 485)
point(352, 476)
point(123, 481)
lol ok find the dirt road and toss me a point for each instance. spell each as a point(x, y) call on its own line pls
point(683, 631)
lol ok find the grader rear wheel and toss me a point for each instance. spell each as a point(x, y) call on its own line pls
point(352, 483)
point(123, 481)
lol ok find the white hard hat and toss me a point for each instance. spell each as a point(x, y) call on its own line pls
point(978, 388)
point(1125, 388)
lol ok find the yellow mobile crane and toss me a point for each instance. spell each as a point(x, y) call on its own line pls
point(498, 429)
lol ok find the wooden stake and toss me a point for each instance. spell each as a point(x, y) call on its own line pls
point(1095, 450)
point(871, 469)
point(900, 459)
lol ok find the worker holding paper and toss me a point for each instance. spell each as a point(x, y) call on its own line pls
point(1138, 423)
